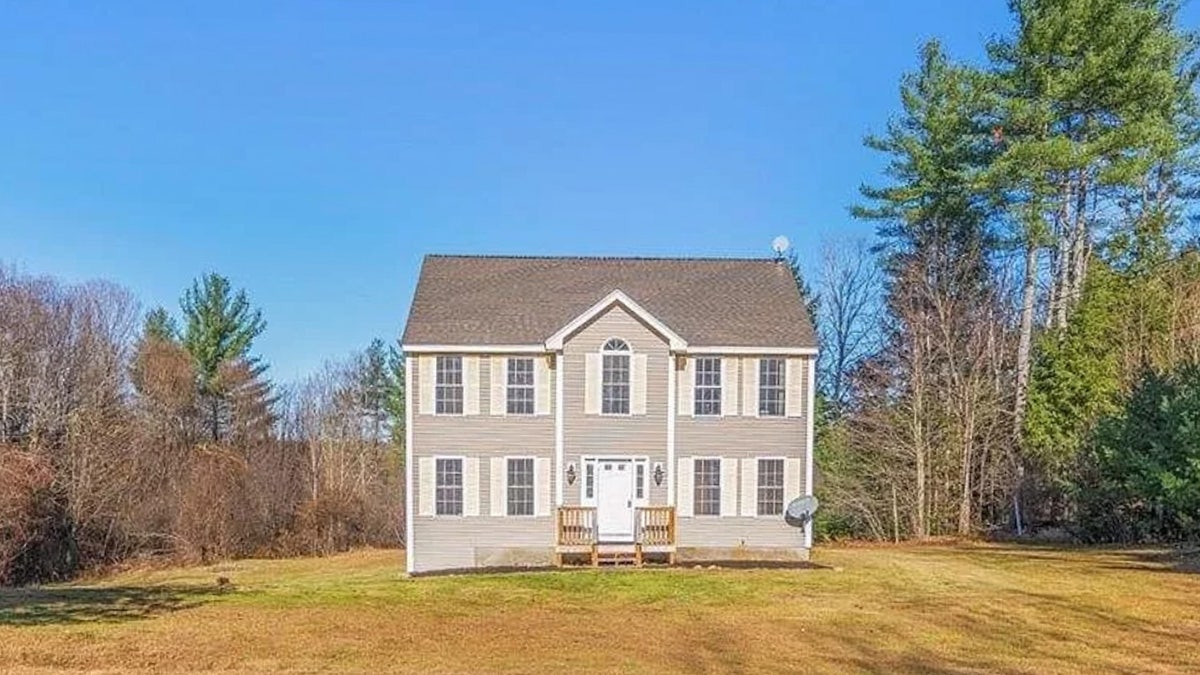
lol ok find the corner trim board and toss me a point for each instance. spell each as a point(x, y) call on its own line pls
point(672, 392)
point(808, 454)
point(560, 364)
point(409, 558)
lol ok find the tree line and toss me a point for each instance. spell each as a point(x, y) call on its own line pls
point(1019, 346)
point(123, 437)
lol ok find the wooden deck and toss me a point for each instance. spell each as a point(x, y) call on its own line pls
point(653, 534)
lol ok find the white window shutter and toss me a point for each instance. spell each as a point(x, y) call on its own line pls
point(795, 387)
point(541, 486)
point(496, 492)
point(729, 386)
point(425, 478)
point(750, 387)
point(684, 499)
point(470, 366)
point(470, 486)
point(637, 393)
point(541, 386)
point(426, 366)
point(498, 403)
point(791, 479)
point(687, 387)
point(729, 486)
point(750, 487)
point(591, 385)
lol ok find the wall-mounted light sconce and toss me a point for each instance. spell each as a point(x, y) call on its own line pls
point(659, 474)
point(571, 474)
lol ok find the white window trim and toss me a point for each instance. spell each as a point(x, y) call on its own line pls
point(462, 373)
point(720, 485)
point(628, 353)
point(758, 384)
point(532, 458)
point(532, 387)
point(463, 465)
point(719, 388)
point(758, 484)
point(593, 460)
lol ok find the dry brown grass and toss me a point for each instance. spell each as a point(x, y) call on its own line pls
point(970, 608)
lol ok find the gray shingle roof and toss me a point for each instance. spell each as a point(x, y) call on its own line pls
point(494, 300)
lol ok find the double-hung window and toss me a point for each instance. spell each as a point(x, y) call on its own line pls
point(708, 386)
point(707, 487)
point(448, 493)
point(770, 487)
point(448, 390)
point(520, 486)
point(520, 386)
point(772, 387)
point(614, 391)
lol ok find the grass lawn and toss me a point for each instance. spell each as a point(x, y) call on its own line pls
point(983, 608)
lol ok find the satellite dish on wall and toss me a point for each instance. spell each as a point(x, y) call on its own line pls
point(800, 511)
point(780, 244)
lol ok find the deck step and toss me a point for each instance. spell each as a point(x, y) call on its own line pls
point(617, 555)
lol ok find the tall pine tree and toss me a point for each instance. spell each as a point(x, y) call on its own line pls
point(220, 328)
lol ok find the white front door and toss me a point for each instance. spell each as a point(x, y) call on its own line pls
point(614, 500)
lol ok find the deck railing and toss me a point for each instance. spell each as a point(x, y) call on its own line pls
point(576, 525)
point(655, 525)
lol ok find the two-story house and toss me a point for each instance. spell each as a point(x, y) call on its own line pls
point(584, 407)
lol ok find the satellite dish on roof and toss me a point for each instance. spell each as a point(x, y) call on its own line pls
point(780, 244)
point(800, 511)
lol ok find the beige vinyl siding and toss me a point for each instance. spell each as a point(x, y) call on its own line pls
point(636, 435)
point(451, 541)
point(744, 439)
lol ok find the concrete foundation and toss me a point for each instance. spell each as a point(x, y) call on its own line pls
point(514, 556)
point(688, 554)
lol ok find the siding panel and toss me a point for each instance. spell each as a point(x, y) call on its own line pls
point(615, 435)
point(744, 438)
point(454, 542)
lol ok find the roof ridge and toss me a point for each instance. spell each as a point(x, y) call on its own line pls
point(497, 256)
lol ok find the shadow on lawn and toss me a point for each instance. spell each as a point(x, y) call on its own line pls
point(66, 605)
point(1178, 560)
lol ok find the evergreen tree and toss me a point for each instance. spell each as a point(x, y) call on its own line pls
point(1140, 478)
point(220, 329)
point(1098, 104)
point(811, 300)
point(934, 222)
point(395, 394)
point(1076, 381)
point(373, 386)
point(160, 325)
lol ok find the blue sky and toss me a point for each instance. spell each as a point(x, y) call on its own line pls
point(313, 152)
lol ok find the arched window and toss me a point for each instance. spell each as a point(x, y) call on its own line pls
point(614, 399)
point(615, 345)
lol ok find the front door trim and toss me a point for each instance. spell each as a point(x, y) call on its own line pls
point(592, 464)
